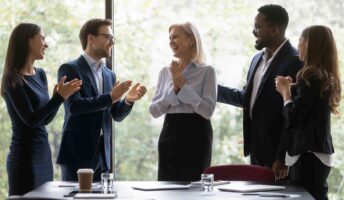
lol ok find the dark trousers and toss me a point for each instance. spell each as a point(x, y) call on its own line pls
point(185, 147)
point(312, 174)
point(98, 164)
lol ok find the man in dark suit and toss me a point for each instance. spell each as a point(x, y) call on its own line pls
point(87, 126)
point(262, 105)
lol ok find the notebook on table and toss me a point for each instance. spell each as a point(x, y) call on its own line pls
point(250, 188)
point(95, 196)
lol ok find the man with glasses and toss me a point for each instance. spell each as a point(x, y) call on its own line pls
point(88, 113)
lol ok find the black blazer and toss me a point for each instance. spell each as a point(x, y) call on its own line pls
point(86, 113)
point(262, 133)
point(308, 121)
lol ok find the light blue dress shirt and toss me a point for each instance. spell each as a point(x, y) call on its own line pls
point(97, 71)
point(198, 95)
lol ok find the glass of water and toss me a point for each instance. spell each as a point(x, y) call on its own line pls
point(207, 181)
point(107, 182)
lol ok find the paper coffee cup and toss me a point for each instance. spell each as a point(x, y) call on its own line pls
point(85, 178)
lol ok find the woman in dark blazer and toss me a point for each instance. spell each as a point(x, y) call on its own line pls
point(307, 110)
point(25, 90)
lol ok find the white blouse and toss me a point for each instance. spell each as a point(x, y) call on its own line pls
point(198, 95)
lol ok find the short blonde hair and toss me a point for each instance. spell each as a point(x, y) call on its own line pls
point(190, 29)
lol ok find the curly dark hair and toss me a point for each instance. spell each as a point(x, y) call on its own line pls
point(276, 15)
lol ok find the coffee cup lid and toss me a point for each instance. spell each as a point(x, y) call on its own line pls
point(85, 170)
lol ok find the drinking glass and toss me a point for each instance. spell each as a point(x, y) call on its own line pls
point(107, 182)
point(207, 181)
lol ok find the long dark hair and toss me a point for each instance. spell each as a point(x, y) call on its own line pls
point(17, 54)
point(321, 62)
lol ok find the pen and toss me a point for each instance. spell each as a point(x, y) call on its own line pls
point(66, 186)
point(260, 194)
point(251, 193)
point(274, 195)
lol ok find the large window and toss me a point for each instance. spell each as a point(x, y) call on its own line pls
point(142, 49)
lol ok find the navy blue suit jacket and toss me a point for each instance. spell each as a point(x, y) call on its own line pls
point(86, 114)
point(262, 133)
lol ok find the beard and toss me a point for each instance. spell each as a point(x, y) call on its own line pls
point(103, 53)
point(260, 45)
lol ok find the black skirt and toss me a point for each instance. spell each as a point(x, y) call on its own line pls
point(29, 166)
point(185, 147)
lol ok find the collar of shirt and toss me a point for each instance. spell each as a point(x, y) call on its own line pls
point(95, 66)
point(189, 67)
point(275, 52)
point(192, 65)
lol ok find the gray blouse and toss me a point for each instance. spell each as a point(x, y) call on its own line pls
point(198, 95)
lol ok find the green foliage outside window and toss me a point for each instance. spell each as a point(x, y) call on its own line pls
point(142, 49)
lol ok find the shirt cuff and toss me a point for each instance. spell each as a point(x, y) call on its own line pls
point(286, 102)
point(171, 97)
point(127, 102)
point(188, 95)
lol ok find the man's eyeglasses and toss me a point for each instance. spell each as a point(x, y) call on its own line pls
point(109, 37)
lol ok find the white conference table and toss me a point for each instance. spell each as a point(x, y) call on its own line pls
point(53, 190)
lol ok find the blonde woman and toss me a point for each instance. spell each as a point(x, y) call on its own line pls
point(186, 93)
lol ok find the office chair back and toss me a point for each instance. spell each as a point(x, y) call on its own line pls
point(241, 173)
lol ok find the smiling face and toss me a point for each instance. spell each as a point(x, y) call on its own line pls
point(101, 44)
point(262, 31)
point(181, 43)
point(37, 46)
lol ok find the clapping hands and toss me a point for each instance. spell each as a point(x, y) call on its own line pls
point(66, 89)
point(283, 86)
point(177, 76)
point(135, 93)
point(119, 89)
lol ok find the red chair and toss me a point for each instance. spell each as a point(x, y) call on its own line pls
point(241, 173)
